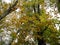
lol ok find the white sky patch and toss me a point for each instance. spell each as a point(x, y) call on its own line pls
point(9, 32)
point(16, 40)
point(15, 30)
point(58, 15)
point(48, 9)
point(40, 7)
point(18, 33)
point(53, 11)
point(6, 1)
point(7, 20)
point(57, 26)
point(59, 19)
point(56, 9)
point(18, 10)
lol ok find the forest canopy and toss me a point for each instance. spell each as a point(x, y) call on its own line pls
point(29, 22)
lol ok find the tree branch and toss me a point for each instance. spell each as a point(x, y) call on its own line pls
point(9, 10)
point(38, 8)
point(34, 8)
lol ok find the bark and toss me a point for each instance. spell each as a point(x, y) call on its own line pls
point(38, 11)
point(42, 41)
point(9, 10)
point(38, 8)
point(58, 5)
point(34, 8)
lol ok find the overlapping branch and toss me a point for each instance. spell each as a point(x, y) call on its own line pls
point(11, 9)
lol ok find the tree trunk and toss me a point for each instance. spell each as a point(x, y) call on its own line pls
point(41, 42)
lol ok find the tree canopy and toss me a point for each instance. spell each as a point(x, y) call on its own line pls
point(25, 22)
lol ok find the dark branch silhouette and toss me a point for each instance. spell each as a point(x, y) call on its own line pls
point(38, 8)
point(58, 5)
point(34, 8)
point(41, 41)
point(9, 10)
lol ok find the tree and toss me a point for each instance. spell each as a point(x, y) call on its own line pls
point(33, 26)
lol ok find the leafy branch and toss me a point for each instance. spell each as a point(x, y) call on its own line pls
point(11, 9)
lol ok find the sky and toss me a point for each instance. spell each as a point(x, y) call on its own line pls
point(7, 1)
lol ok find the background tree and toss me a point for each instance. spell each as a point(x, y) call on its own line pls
point(27, 23)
